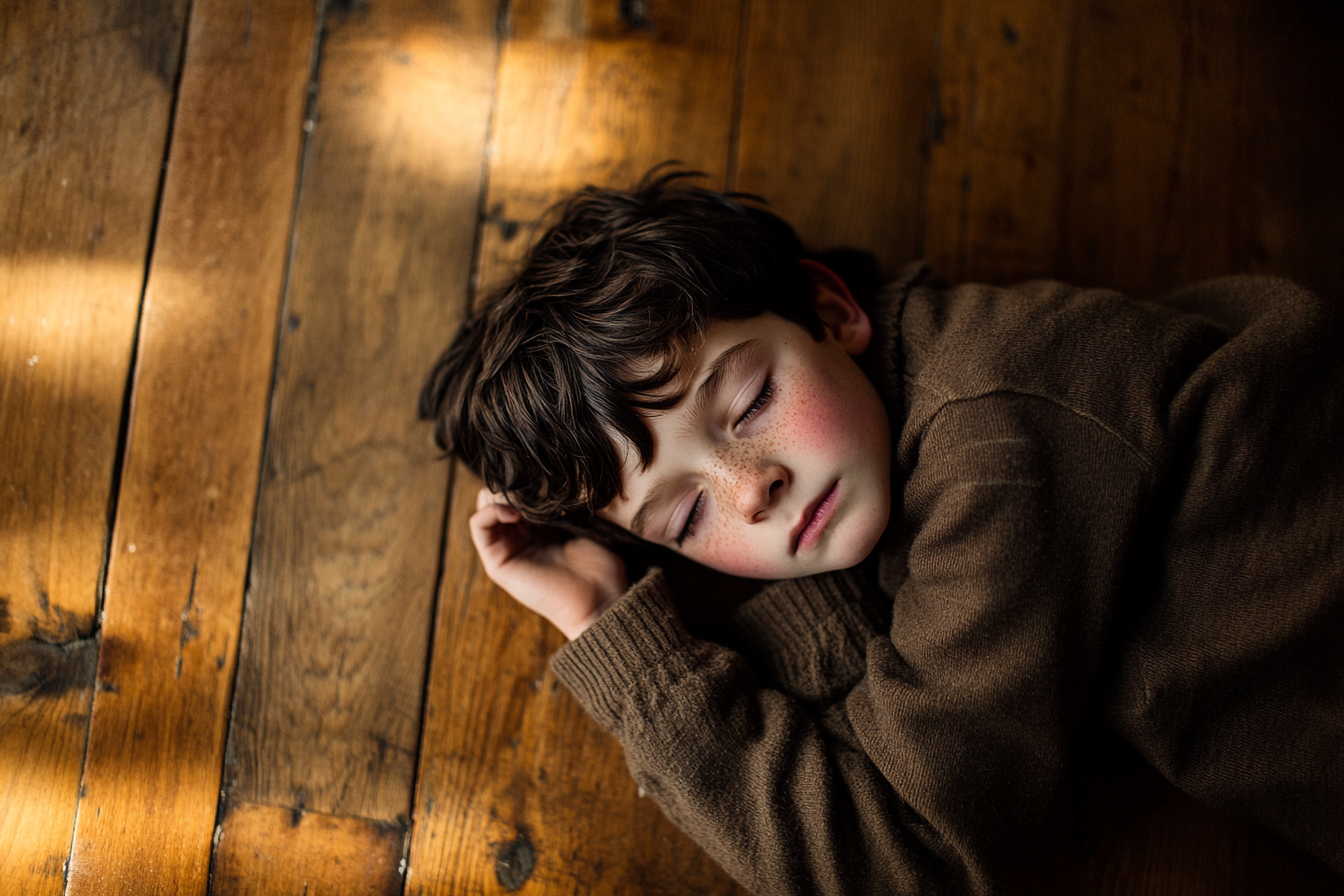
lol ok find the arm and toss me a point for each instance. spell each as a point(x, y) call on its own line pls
point(954, 737)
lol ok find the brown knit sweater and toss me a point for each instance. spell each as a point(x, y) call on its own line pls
point(1105, 511)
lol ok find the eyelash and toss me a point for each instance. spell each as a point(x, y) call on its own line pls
point(759, 402)
point(763, 398)
point(689, 529)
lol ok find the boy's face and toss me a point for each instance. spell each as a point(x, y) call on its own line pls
point(776, 462)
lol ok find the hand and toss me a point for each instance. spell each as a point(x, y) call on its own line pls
point(570, 581)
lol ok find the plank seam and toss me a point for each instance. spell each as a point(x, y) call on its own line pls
point(124, 423)
point(282, 309)
point(503, 28)
point(934, 124)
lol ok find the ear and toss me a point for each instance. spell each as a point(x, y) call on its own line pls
point(843, 317)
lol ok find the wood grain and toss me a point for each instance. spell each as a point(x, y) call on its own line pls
point(517, 786)
point(184, 517)
point(590, 95)
point(336, 638)
point(272, 851)
point(85, 96)
point(835, 118)
point(995, 176)
point(1206, 163)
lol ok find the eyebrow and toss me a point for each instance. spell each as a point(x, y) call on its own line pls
point(704, 396)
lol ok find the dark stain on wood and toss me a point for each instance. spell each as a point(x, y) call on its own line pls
point(113, 655)
point(157, 30)
point(189, 630)
point(515, 860)
point(5, 621)
point(635, 13)
point(42, 669)
point(347, 7)
point(508, 229)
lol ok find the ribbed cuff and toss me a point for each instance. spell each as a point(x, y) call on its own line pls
point(608, 664)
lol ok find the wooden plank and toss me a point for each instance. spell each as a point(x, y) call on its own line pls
point(85, 97)
point(1150, 203)
point(594, 92)
point(835, 115)
point(995, 166)
point(1293, 124)
point(272, 851)
point(517, 786)
point(1218, 150)
point(336, 639)
point(180, 540)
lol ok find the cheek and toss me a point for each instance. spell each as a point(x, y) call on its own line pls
point(734, 555)
point(815, 417)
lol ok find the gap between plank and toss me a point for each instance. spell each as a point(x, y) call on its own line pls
point(307, 124)
point(124, 423)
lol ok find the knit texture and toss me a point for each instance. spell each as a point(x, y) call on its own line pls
point(1103, 510)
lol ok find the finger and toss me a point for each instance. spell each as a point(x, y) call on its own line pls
point(490, 526)
point(484, 496)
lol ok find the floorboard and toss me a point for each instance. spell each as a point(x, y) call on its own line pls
point(346, 552)
point(834, 120)
point(85, 97)
point(178, 557)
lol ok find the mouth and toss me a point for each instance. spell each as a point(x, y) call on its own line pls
point(814, 519)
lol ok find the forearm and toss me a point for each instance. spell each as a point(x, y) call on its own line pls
point(778, 791)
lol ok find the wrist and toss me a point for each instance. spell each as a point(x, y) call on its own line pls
point(572, 629)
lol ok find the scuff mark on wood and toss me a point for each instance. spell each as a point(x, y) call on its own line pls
point(189, 631)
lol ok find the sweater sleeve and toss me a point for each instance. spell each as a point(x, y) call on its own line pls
point(951, 734)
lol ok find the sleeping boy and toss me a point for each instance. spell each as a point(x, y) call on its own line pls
point(993, 516)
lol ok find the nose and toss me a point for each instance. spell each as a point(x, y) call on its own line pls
point(757, 490)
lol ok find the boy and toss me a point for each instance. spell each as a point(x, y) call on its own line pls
point(995, 516)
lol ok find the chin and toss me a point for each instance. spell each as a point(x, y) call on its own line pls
point(853, 547)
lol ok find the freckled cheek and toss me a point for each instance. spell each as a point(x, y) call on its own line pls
point(732, 550)
point(732, 555)
point(813, 418)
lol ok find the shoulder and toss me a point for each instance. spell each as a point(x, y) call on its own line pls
point(1101, 356)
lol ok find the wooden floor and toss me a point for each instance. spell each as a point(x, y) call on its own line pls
point(245, 646)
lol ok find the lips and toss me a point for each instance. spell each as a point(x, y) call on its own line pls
point(814, 518)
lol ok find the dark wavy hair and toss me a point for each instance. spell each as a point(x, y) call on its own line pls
point(558, 366)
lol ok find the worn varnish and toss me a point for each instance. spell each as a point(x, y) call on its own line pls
point(346, 551)
point(273, 851)
point(995, 166)
point(184, 514)
point(599, 92)
point(836, 101)
point(1109, 142)
point(85, 97)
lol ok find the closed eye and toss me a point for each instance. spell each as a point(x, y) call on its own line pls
point(688, 529)
point(760, 401)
